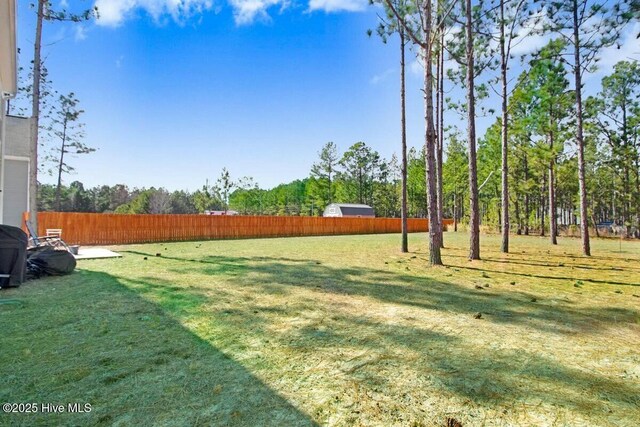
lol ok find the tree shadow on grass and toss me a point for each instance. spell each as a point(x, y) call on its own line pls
point(485, 375)
point(542, 276)
point(274, 275)
point(625, 256)
point(537, 263)
point(529, 378)
point(212, 259)
point(502, 375)
point(89, 338)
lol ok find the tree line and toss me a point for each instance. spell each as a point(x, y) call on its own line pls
point(479, 37)
point(360, 175)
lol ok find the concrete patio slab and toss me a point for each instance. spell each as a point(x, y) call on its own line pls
point(96, 253)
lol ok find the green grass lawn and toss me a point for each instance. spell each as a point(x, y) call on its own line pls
point(331, 331)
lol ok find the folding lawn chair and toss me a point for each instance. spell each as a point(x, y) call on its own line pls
point(53, 239)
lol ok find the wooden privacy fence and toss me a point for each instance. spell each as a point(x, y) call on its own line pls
point(112, 229)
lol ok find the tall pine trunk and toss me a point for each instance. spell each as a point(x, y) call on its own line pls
point(526, 216)
point(577, 71)
point(35, 121)
point(505, 117)
point(542, 204)
point(516, 205)
point(330, 184)
point(441, 134)
point(455, 210)
point(637, 160)
point(527, 212)
point(474, 220)
point(403, 125)
point(627, 197)
point(435, 257)
point(627, 165)
point(61, 165)
point(553, 219)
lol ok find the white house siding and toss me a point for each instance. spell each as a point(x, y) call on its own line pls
point(8, 80)
point(17, 131)
point(15, 170)
point(16, 191)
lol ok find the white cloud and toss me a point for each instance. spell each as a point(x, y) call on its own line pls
point(247, 11)
point(530, 36)
point(530, 43)
point(119, 61)
point(338, 5)
point(114, 12)
point(627, 50)
point(378, 78)
point(80, 32)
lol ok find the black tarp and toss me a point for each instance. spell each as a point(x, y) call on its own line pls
point(46, 261)
point(13, 249)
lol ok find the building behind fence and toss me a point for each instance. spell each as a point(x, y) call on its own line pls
point(114, 229)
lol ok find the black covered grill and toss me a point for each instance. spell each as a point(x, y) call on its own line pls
point(13, 253)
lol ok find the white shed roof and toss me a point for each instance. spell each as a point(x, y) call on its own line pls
point(352, 205)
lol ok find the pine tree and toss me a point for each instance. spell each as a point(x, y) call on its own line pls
point(424, 40)
point(586, 27)
point(66, 128)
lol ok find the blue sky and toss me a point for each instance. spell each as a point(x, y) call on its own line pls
point(174, 93)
